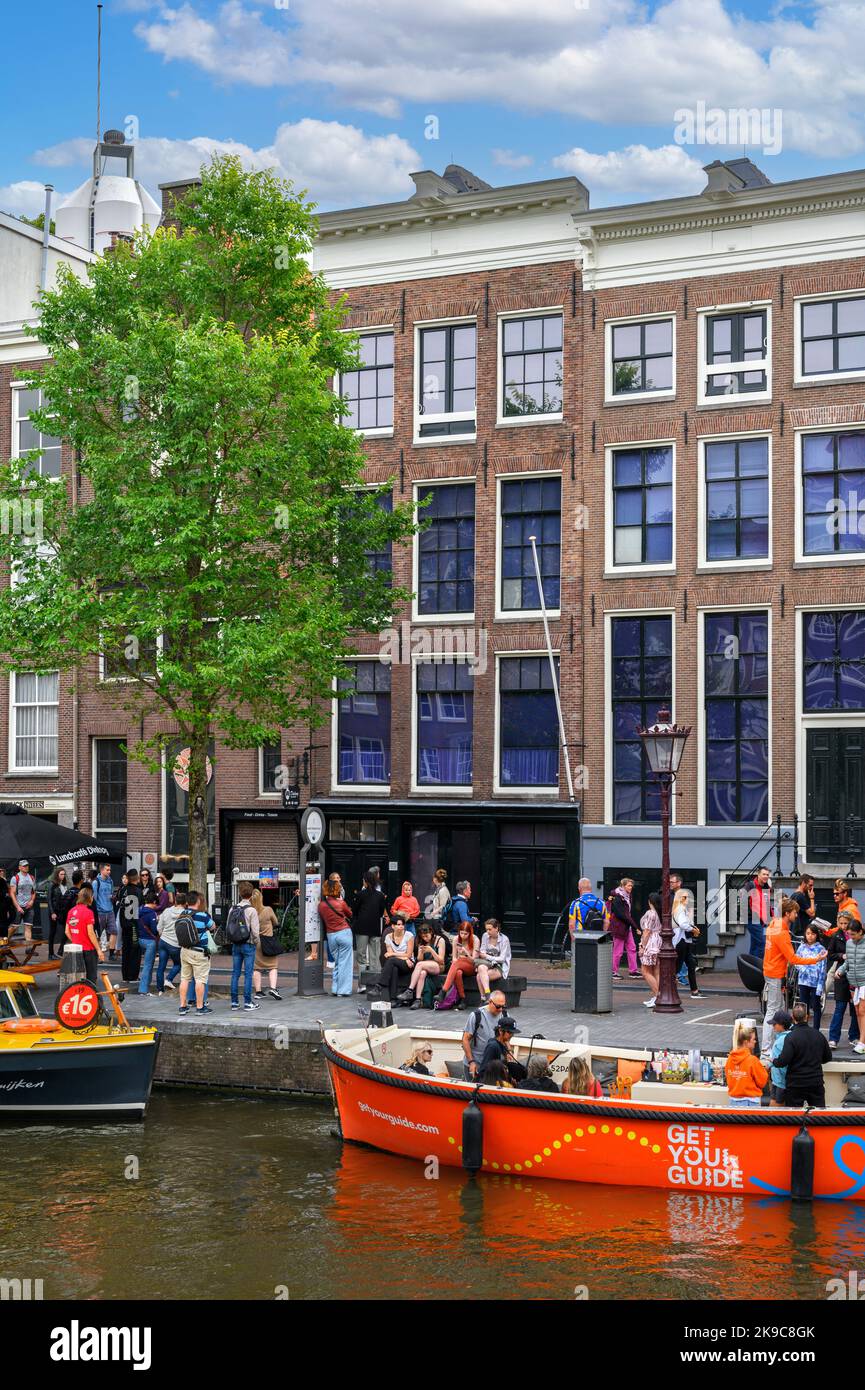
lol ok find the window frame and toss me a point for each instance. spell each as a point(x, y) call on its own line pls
point(263, 793)
point(16, 388)
point(508, 615)
point(702, 740)
point(378, 431)
point(550, 792)
point(704, 369)
point(703, 563)
point(419, 788)
point(838, 557)
point(609, 777)
point(105, 679)
point(635, 397)
point(13, 767)
point(420, 488)
point(612, 570)
point(420, 441)
point(819, 378)
point(356, 788)
point(98, 828)
point(510, 316)
point(836, 612)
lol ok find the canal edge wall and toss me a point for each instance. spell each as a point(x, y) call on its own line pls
point(267, 1059)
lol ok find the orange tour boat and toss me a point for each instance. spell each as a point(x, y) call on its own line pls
point(646, 1133)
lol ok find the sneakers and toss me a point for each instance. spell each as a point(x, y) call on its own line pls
point(259, 994)
point(648, 1003)
point(249, 1007)
point(695, 994)
point(417, 1004)
point(859, 1047)
point(184, 1009)
point(235, 1005)
point(832, 1044)
point(634, 975)
point(274, 994)
point(169, 985)
point(206, 1010)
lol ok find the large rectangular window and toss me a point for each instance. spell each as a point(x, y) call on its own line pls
point(530, 507)
point(642, 683)
point(111, 777)
point(528, 723)
point(381, 561)
point(270, 763)
point(532, 365)
point(446, 549)
point(34, 721)
point(642, 357)
point(732, 341)
point(737, 718)
point(363, 724)
point(446, 397)
point(832, 336)
point(834, 661)
point(445, 704)
point(737, 499)
point(643, 506)
point(25, 436)
point(369, 390)
point(833, 481)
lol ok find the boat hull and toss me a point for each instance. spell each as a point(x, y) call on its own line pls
point(607, 1141)
point(85, 1076)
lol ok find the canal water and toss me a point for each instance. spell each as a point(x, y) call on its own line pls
point(216, 1197)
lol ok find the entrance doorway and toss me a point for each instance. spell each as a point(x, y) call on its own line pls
point(835, 792)
point(532, 888)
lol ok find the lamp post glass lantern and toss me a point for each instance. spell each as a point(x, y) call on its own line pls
point(664, 743)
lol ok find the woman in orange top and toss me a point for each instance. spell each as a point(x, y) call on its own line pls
point(746, 1075)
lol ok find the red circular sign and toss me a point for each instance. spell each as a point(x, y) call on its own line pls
point(77, 1006)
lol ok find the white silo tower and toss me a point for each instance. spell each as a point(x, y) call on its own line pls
point(111, 203)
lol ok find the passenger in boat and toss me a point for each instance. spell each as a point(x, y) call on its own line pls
point(398, 963)
point(650, 945)
point(430, 956)
point(581, 1080)
point(812, 978)
point(464, 954)
point(746, 1075)
point(479, 1030)
point(841, 987)
point(494, 956)
point(498, 1049)
point(539, 1077)
point(624, 928)
point(804, 1054)
point(853, 971)
point(81, 931)
point(781, 1026)
point(778, 955)
point(336, 915)
point(418, 1062)
point(497, 1075)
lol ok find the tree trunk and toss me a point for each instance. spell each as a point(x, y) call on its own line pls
point(197, 813)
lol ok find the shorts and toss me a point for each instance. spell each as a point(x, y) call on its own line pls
point(107, 923)
point(194, 965)
point(27, 915)
point(859, 994)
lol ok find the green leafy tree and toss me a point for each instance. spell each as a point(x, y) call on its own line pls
point(212, 538)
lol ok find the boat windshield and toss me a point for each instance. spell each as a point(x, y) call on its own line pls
point(26, 1007)
point(7, 1008)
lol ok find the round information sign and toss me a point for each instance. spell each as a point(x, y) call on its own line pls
point(77, 1006)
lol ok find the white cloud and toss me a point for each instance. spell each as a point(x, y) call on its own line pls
point(338, 164)
point(635, 171)
point(507, 159)
point(618, 61)
point(26, 198)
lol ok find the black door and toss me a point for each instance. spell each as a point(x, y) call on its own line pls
point(532, 894)
point(835, 791)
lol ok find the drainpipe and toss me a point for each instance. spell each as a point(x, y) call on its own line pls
point(46, 236)
point(553, 675)
point(75, 711)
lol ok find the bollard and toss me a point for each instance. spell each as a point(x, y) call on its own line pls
point(802, 1167)
point(473, 1136)
point(72, 966)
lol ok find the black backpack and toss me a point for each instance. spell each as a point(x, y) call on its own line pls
point(186, 931)
point(236, 925)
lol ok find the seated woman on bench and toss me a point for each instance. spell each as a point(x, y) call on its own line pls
point(398, 962)
point(494, 957)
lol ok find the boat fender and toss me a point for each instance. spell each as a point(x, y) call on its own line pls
point(473, 1136)
point(802, 1167)
point(30, 1025)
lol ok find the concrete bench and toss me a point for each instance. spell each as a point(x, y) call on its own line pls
point(513, 987)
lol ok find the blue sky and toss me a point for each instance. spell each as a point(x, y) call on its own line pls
point(342, 95)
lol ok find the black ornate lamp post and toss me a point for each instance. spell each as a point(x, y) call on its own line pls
point(664, 743)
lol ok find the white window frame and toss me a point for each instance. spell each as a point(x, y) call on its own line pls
point(819, 378)
point(519, 615)
point(530, 793)
point(507, 421)
point(661, 612)
point(612, 570)
point(832, 719)
point(702, 518)
point(13, 766)
point(98, 828)
point(105, 679)
point(702, 610)
point(262, 794)
point(448, 440)
point(744, 398)
point(418, 788)
point(841, 558)
point(16, 387)
point(354, 788)
point(634, 397)
point(380, 431)
point(419, 490)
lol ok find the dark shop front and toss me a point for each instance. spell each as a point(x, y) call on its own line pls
point(521, 860)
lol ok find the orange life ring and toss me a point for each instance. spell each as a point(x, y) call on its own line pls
point(30, 1025)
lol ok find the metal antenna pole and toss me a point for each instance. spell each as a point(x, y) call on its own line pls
point(98, 73)
point(553, 671)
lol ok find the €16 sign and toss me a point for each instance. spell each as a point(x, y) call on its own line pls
point(77, 1006)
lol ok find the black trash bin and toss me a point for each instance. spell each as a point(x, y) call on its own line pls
point(592, 972)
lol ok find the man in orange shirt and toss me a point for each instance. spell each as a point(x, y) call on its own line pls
point(844, 900)
point(778, 955)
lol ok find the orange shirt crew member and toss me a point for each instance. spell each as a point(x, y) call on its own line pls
point(746, 1075)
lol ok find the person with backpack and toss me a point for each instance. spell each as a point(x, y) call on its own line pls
point(479, 1030)
point(370, 910)
point(457, 910)
point(623, 927)
point(169, 949)
point(22, 888)
point(494, 956)
point(243, 931)
point(441, 896)
point(103, 903)
point(192, 929)
point(587, 912)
